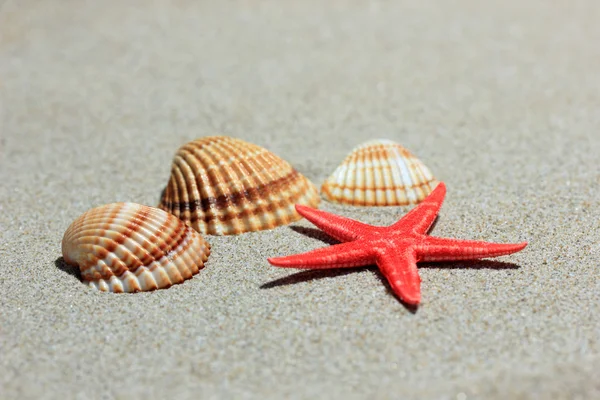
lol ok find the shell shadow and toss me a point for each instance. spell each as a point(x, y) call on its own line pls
point(69, 269)
point(162, 195)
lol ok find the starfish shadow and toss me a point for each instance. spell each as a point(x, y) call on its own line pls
point(304, 276)
point(325, 238)
point(396, 248)
point(315, 234)
point(412, 308)
point(433, 224)
point(469, 264)
point(310, 275)
point(69, 269)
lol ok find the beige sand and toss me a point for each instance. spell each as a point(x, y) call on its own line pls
point(500, 99)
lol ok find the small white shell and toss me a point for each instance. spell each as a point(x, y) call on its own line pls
point(127, 247)
point(379, 173)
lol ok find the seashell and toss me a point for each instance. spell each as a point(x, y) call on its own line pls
point(379, 173)
point(225, 186)
point(127, 247)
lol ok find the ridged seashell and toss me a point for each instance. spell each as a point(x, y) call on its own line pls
point(127, 247)
point(379, 173)
point(225, 186)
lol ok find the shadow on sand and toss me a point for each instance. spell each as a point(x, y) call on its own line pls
point(309, 275)
point(315, 234)
point(69, 269)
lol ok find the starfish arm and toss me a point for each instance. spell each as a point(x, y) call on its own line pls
point(443, 249)
point(400, 270)
point(420, 218)
point(341, 228)
point(343, 255)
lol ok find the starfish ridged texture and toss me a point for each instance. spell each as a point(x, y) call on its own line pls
point(395, 249)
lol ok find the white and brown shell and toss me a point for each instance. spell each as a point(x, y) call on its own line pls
point(379, 173)
point(225, 186)
point(127, 247)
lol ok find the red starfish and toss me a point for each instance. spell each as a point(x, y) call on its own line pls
point(395, 249)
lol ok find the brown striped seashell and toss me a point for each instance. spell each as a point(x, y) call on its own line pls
point(127, 247)
point(379, 173)
point(225, 186)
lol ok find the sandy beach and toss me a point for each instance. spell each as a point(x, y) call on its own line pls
point(499, 99)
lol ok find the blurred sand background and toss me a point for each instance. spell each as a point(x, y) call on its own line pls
point(501, 99)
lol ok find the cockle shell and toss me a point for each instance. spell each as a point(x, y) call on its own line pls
point(127, 247)
point(379, 173)
point(225, 186)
